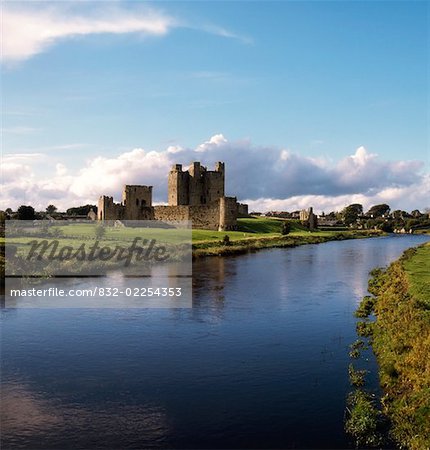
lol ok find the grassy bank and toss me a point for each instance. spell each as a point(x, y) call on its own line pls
point(400, 338)
point(258, 233)
point(252, 234)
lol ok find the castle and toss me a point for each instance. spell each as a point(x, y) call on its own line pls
point(195, 195)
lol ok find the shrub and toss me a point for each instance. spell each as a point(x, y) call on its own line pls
point(366, 307)
point(356, 377)
point(364, 329)
point(355, 348)
point(226, 240)
point(285, 228)
point(365, 421)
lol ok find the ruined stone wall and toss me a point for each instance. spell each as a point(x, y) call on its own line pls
point(205, 216)
point(172, 213)
point(202, 216)
point(139, 213)
point(242, 210)
point(228, 213)
point(135, 198)
point(217, 215)
point(309, 218)
point(305, 213)
point(108, 210)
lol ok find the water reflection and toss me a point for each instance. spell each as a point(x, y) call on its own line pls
point(259, 361)
point(26, 413)
point(117, 290)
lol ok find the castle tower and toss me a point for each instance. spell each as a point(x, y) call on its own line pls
point(177, 186)
point(196, 186)
point(135, 196)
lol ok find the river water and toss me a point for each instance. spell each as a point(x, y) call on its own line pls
point(259, 361)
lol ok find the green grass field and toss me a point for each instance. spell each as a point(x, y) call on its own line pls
point(418, 273)
point(247, 228)
point(256, 227)
point(253, 233)
point(400, 338)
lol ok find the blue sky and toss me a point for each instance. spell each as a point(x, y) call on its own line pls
point(316, 79)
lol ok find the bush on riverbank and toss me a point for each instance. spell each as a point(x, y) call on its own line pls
point(366, 307)
point(365, 422)
point(401, 342)
point(356, 376)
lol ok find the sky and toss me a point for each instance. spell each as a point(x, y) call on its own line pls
point(309, 103)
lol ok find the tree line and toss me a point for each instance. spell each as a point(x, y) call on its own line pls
point(27, 212)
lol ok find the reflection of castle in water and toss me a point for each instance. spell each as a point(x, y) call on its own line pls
point(210, 279)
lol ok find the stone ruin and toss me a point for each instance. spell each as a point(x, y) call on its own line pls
point(308, 217)
point(196, 195)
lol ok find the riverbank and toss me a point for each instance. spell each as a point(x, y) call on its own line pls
point(400, 338)
point(261, 233)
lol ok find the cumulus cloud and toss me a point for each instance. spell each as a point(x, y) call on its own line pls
point(267, 177)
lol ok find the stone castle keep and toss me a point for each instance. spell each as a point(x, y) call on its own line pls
point(196, 194)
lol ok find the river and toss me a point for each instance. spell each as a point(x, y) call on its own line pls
point(259, 361)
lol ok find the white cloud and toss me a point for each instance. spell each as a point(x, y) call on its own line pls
point(406, 198)
point(60, 169)
point(215, 141)
point(220, 31)
point(20, 130)
point(29, 31)
point(268, 178)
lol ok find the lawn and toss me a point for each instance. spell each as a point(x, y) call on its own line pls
point(418, 273)
point(252, 233)
point(258, 227)
point(400, 338)
point(247, 228)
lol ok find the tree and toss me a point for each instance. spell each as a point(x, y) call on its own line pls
point(285, 228)
point(379, 210)
point(416, 214)
point(411, 223)
point(81, 210)
point(351, 213)
point(386, 226)
point(50, 209)
point(8, 211)
point(25, 212)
